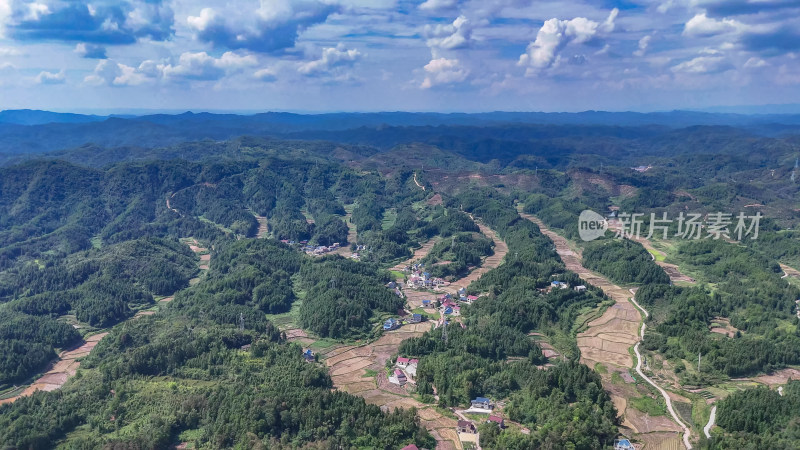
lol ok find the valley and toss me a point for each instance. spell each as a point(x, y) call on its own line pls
point(315, 305)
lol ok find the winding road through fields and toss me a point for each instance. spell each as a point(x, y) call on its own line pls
point(687, 432)
point(608, 339)
point(711, 419)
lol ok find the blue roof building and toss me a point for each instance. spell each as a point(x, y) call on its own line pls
point(482, 403)
point(390, 324)
point(623, 444)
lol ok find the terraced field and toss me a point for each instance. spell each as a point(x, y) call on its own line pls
point(360, 370)
point(65, 367)
point(607, 342)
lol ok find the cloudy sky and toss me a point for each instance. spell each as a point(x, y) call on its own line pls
point(422, 55)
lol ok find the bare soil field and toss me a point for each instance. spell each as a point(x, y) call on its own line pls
point(352, 237)
point(491, 262)
point(779, 377)
point(660, 441)
point(298, 335)
point(722, 325)
point(418, 255)
point(436, 200)
point(263, 230)
point(790, 271)
point(205, 256)
point(415, 298)
point(348, 368)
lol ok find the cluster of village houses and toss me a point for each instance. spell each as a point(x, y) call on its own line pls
point(480, 405)
point(447, 304)
point(418, 278)
point(314, 250)
point(406, 369)
point(562, 285)
point(319, 250)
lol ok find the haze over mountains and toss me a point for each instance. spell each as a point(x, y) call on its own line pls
point(32, 131)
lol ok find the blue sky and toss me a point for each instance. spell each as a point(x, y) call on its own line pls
point(369, 55)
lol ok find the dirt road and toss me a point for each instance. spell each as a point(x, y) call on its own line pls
point(687, 432)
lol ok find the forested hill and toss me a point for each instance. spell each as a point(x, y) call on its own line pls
point(209, 369)
point(84, 249)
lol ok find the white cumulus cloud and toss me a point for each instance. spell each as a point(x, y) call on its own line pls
point(332, 58)
point(643, 44)
point(271, 28)
point(112, 73)
point(441, 71)
point(46, 77)
point(267, 75)
point(436, 5)
point(703, 64)
point(701, 25)
point(754, 63)
point(450, 36)
point(555, 34)
point(202, 66)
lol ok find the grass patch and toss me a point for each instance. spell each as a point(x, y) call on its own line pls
point(369, 373)
point(422, 312)
point(684, 410)
point(189, 436)
point(389, 218)
point(616, 378)
point(97, 242)
point(226, 230)
point(657, 255)
point(445, 412)
point(600, 368)
point(648, 405)
point(477, 418)
point(700, 412)
point(588, 314)
point(793, 281)
point(397, 274)
point(323, 344)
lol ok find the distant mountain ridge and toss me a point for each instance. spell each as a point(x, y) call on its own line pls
point(36, 117)
point(32, 131)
